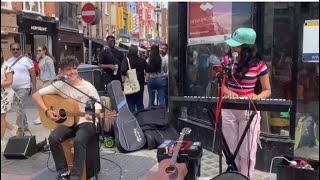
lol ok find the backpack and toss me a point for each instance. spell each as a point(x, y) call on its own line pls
point(155, 125)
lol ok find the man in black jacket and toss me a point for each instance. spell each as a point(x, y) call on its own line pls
point(110, 61)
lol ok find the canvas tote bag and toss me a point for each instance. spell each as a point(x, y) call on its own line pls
point(131, 84)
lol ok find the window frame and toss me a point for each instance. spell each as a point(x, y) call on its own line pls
point(40, 10)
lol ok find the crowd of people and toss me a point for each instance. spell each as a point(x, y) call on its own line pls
point(152, 72)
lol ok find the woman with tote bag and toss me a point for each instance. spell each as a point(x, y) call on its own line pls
point(132, 71)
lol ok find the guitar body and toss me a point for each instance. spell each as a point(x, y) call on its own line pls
point(61, 105)
point(179, 173)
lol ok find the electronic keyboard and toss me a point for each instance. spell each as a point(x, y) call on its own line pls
point(241, 103)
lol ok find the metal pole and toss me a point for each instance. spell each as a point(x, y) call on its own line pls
point(90, 44)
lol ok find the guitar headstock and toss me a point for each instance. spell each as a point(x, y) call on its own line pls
point(185, 131)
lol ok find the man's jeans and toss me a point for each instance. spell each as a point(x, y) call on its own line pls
point(22, 121)
point(82, 134)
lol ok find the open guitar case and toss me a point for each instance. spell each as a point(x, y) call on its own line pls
point(155, 125)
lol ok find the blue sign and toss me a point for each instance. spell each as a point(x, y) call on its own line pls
point(157, 40)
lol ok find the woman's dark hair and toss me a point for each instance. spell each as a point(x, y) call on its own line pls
point(133, 52)
point(44, 48)
point(155, 60)
point(249, 57)
point(133, 55)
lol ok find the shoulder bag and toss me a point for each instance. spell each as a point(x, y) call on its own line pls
point(131, 83)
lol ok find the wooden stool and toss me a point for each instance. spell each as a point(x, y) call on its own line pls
point(69, 154)
point(91, 165)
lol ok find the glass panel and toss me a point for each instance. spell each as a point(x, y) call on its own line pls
point(307, 131)
point(202, 56)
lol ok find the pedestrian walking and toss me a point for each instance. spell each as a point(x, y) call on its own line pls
point(135, 101)
point(8, 97)
point(24, 82)
point(157, 79)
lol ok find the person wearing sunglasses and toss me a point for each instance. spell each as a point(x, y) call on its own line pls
point(24, 80)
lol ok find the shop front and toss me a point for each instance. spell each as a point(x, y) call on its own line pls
point(199, 31)
point(36, 30)
point(69, 43)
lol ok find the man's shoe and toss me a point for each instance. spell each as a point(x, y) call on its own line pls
point(64, 176)
point(37, 121)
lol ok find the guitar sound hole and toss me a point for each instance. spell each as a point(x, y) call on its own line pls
point(170, 169)
point(63, 114)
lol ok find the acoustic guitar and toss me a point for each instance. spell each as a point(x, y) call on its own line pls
point(68, 109)
point(168, 168)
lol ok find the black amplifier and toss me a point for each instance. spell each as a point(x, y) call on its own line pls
point(190, 153)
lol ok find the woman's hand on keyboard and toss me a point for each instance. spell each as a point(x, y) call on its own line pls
point(232, 95)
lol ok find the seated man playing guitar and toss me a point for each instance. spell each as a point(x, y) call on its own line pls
point(82, 131)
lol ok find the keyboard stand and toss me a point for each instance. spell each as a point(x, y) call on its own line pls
point(230, 158)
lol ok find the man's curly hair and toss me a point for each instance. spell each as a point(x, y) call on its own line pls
point(68, 61)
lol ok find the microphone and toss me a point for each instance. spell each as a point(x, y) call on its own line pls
point(60, 78)
point(234, 59)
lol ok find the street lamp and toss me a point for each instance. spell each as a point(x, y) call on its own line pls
point(157, 11)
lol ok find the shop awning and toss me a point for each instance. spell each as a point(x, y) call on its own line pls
point(95, 42)
point(127, 45)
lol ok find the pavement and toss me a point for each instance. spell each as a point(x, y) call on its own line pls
point(209, 160)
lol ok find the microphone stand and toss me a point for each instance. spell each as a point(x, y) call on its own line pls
point(89, 107)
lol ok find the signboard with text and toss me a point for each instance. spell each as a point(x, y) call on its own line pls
point(311, 41)
point(209, 22)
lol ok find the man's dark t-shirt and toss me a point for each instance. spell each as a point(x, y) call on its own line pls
point(111, 56)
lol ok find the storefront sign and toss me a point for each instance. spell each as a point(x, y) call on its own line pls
point(27, 25)
point(39, 28)
point(311, 41)
point(209, 22)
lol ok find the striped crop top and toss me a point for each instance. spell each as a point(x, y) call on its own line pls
point(248, 81)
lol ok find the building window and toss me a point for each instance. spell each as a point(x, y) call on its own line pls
point(113, 31)
point(33, 6)
point(67, 15)
point(106, 9)
point(107, 30)
point(6, 5)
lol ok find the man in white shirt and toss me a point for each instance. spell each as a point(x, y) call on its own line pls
point(83, 131)
point(24, 79)
point(164, 54)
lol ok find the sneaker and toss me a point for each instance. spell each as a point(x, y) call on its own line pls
point(64, 176)
point(3, 145)
point(14, 130)
point(37, 121)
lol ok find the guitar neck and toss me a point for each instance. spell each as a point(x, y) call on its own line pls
point(176, 150)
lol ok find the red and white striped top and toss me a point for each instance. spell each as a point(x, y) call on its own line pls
point(248, 81)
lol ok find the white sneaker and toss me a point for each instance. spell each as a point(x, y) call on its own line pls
point(37, 121)
point(3, 145)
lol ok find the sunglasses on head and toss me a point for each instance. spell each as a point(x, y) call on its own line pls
point(15, 49)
